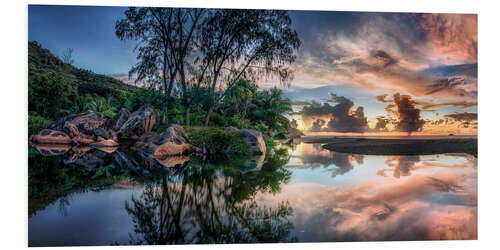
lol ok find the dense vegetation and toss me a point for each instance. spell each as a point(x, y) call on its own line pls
point(57, 89)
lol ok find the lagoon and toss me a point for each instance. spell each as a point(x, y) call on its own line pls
point(297, 193)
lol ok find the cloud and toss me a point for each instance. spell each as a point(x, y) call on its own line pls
point(392, 52)
point(317, 125)
point(466, 119)
point(452, 35)
point(408, 116)
point(342, 117)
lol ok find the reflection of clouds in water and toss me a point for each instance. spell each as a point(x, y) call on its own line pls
point(375, 211)
point(437, 199)
point(314, 156)
point(402, 165)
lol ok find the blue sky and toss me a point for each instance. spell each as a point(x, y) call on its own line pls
point(88, 30)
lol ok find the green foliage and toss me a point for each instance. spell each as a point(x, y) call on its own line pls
point(220, 144)
point(237, 121)
point(56, 89)
point(49, 93)
point(218, 120)
point(270, 108)
point(145, 96)
point(36, 123)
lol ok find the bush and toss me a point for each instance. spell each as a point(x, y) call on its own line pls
point(237, 121)
point(36, 123)
point(217, 120)
point(109, 113)
point(143, 96)
point(220, 144)
point(49, 93)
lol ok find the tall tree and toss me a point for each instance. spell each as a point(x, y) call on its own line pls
point(186, 23)
point(152, 28)
point(251, 44)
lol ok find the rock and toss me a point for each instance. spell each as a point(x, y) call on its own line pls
point(59, 124)
point(87, 123)
point(120, 118)
point(104, 144)
point(49, 136)
point(83, 139)
point(106, 134)
point(171, 148)
point(139, 122)
point(173, 141)
point(70, 129)
point(253, 138)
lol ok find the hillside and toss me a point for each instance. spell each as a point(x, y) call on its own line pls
point(57, 89)
point(42, 60)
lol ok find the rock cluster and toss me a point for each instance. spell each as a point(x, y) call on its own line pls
point(97, 130)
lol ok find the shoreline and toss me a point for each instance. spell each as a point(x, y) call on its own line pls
point(396, 146)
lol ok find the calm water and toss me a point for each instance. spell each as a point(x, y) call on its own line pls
point(299, 194)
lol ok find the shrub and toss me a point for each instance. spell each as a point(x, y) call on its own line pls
point(220, 144)
point(36, 123)
point(109, 113)
point(49, 93)
point(238, 122)
point(217, 120)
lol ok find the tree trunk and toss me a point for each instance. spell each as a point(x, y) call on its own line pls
point(186, 115)
point(207, 116)
point(168, 91)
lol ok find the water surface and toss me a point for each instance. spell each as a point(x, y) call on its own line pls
point(297, 194)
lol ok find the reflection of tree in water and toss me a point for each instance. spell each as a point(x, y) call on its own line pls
point(342, 162)
point(207, 205)
point(401, 165)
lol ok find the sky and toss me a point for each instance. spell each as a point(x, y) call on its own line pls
point(365, 57)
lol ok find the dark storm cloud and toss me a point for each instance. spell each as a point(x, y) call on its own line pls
point(466, 119)
point(381, 124)
point(385, 58)
point(447, 83)
point(317, 125)
point(408, 116)
point(405, 110)
point(342, 117)
point(426, 105)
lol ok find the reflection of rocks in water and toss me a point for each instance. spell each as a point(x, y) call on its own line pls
point(53, 149)
point(174, 161)
point(90, 160)
point(175, 164)
point(401, 165)
point(126, 162)
point(138, 162)
point(253, 164)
